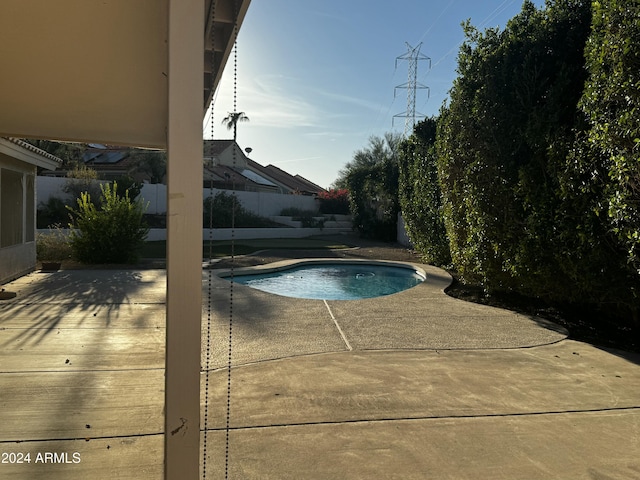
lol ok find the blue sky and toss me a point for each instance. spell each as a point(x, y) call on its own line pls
point(316, 77)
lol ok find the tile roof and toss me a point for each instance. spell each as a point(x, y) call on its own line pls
point(226, 177)
point(216, 147)
point(300, 184)
point(33, 149)
point(311, 185)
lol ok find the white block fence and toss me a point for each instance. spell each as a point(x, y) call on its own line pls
point(261, 203)
point(265, 204)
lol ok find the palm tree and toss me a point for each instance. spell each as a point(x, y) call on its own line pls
point(232, 119)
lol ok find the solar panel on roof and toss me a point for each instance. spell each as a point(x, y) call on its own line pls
point(256, 178)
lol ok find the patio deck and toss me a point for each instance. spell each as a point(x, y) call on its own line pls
point(426, 386)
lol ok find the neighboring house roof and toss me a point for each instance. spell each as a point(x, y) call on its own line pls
point(225, 152)
point(26, 152)
point(111, 160)
point(225, 177)
point(216, 147)
point(270, 176)
point(312, 186)
point(264, 172)
point(296, 184)
point(256, 177)
point(285, 180)
point(104, 155)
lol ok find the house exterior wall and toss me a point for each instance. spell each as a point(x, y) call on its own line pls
point(17, 218)
point(17, 261)
point(228, 158)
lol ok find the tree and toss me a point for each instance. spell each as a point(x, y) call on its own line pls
point(126, 184)
point(69, 153)
point(231, 122)
point(81, 179)
point(152, 163)
point(372, 181)
point(379, 150)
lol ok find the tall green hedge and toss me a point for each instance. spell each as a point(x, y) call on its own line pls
point(538, 155)
point(504, 136)
point(420, 196)
point(603, 171)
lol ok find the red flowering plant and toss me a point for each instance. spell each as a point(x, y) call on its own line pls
point(334, 201)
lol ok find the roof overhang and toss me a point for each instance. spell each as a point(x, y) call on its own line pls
point(27, 153)
point(96, 70)
point(219, 40)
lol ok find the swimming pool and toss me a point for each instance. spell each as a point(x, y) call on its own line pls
point(335, 281)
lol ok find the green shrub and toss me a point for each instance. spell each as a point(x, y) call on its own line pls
point(126, 183)
point(503, 138)
point(612, 103)
point(334, 201)
point(420, 195)
point(291, 212)
point(52, 212)
point(373, 198)
point(307, 218)
point(82, 179)
point(53, 246)
point(111, 233)
point(226, 211)
point(601, 178)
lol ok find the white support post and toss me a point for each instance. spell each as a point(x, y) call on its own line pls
point(184, 239)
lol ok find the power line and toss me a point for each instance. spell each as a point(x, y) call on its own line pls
point(413, 56)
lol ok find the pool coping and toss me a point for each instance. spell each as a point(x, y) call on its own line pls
point(295, 263)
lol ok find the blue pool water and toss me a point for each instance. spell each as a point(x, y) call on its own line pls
point(334, 281)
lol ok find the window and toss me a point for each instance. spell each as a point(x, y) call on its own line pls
point(11, 207)
point(30, 211)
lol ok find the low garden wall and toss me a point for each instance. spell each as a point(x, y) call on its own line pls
point(156, 234)
point(247, 233)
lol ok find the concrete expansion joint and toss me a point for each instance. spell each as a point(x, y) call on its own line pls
point(429, 417)
point(335, 321)
point(86, 439)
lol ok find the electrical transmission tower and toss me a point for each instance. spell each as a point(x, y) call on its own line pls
point(412, 55)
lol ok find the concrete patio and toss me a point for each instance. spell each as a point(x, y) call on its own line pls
point(410, 386)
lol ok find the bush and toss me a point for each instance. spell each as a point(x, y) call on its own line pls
point(82, 179)
point(612, 103)
point(307, 218)
point(501, 141)
point(334, 201)
point(52, 212)
point(226, 211)
point(126, 183)
point(601, 178)
point(373, 200)
point(420, 195)
point(111, 233)
point(53, 246)
point(292, 212)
